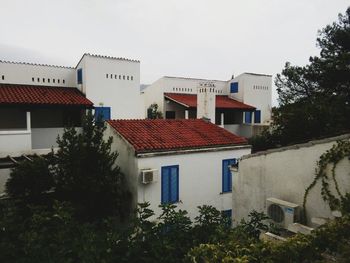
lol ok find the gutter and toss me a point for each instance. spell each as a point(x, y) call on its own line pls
point(188, 151)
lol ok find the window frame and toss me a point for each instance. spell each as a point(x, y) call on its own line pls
point(163, 201)
point(80, 76)
point(227, 189)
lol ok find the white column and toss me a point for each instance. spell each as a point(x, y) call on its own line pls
point(222, 119)
point(28, 121)
point(186, 114)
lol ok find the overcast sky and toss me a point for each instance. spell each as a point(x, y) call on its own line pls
point(190, 38)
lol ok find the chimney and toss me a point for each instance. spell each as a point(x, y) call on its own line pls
point(206, 101)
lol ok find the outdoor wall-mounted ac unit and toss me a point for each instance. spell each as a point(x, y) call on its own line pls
point(281, 212)
point(149, 176)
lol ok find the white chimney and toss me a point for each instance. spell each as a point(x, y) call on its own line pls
point(206, 101)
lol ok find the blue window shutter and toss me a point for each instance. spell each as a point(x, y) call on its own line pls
point(257, 116)
point(102, 113)
point(234, 87)
point(170, 184)
point(247, 117)
point(80, 76)
point(165, 185)
point(228, 214)
point(227, 175)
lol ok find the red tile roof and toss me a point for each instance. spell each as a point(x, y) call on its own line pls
point(222, 101)
point(168, 135)
point(41, 95)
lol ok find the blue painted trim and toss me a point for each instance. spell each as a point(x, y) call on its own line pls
point(230, 176)
point(169, 186)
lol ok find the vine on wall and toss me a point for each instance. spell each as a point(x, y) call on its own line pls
point(333, 156)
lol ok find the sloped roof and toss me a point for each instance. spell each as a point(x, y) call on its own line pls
point(42, 95)
point(222, 101)
point(159, 135)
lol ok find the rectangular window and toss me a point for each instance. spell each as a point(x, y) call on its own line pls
point(170, 184)
point(234, 87)
point(247, 117)
point(170, 115)
point(227, 214)
point(227, 175)
point(102, 113)
point(257, 116)
point(80, 76)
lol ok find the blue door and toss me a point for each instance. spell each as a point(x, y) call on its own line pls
point(227, 175)
point(170, 184)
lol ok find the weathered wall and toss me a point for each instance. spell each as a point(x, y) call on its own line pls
point(284, 174)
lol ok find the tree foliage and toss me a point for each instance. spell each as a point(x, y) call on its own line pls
point(314, 100)
point(153, 112)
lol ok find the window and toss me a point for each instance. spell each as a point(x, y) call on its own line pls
point(234, 87)
point(132, 78)
point(120, 76)
point(115, 76)
point(123, 77)
point(53, 80)
point(33, 79)
point(170, 115)
point(48, 80)
point(58, 81)
point(127, 77)
point(227, 175)
point(111, 76)
point(102, 113)
point(3, 77)
point(43, 80)
point(170, 184)
point(247, 117)
point(106, 76)
point(227, 214)
point(38, 79)
point(257, 116)
point(80, 76)
point(64, 81)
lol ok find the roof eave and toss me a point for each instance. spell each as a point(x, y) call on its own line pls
point(149, 153)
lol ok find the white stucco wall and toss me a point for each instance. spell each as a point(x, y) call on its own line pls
point(21, 73)
point(4, 175)
point(285, 173)
point(200, 180)
point(122, 95)
point(12, 142)
point(255, 90)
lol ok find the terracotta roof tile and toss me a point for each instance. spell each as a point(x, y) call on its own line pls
point(41, 95)
point(222, 101)
point(168, 135)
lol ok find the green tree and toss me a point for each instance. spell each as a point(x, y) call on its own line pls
point(85, 172)
point(314, 100)
point(153, 112)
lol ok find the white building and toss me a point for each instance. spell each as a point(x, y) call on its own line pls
point(284, 174)
point(36, 96)
point(38, 101)
point(241, 105)
point(177, 161)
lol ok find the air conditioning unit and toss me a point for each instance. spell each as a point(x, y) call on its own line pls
point(149, 176)
point(281, 212)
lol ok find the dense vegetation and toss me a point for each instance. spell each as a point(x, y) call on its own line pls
point(314, 100)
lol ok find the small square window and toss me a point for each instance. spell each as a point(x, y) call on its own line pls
point(120, 76)
point(132, 78)
point(123, 77)
point(3, 77)
point(33, 79)
point(53, 80)
point(64, 81)
point(43, 80)
point(106, 76)
point(111, 76)
point(58, 81)
point(48, 80)
point(38, 79)
point(115, 76)
point(127, 77)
